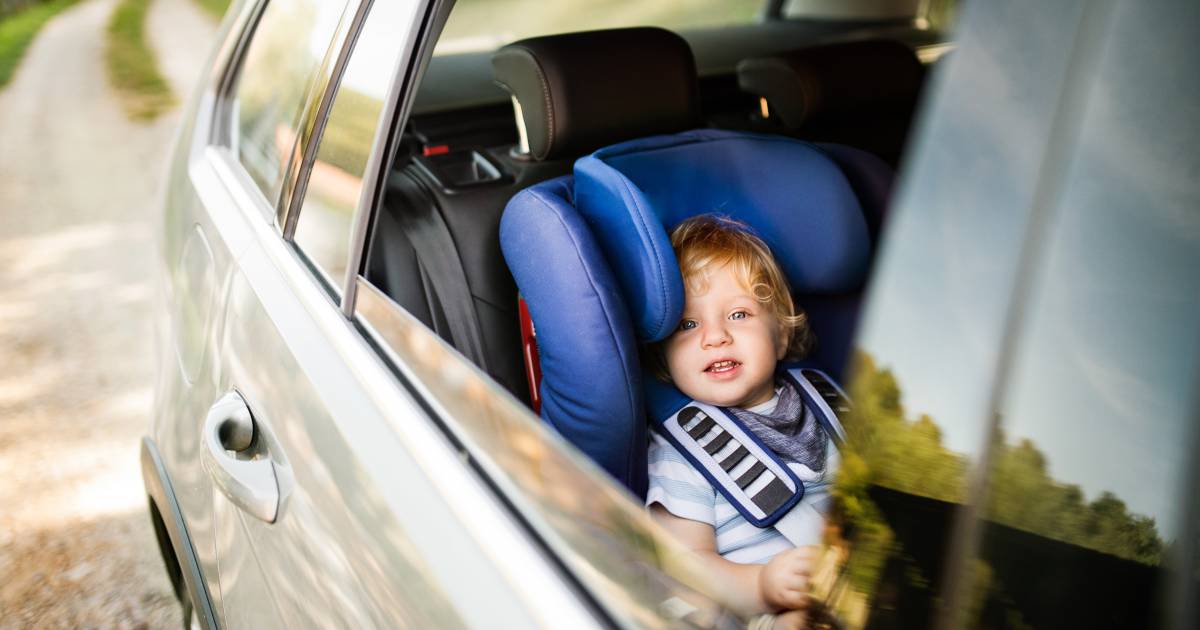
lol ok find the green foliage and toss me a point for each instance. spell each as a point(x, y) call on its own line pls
point(132, 67)
point(215, 8)
point(902, 455)
point(17, 31)
point(343, 144)
point(1024, 496)
point(887, 449)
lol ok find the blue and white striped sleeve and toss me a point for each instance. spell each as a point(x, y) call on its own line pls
point(677, 486)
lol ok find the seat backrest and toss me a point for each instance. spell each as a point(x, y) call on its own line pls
point(591, 256)
point(861, 94)
point(575, 93)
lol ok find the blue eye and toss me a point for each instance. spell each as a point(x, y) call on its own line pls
point(739, 315)
point(687, 324)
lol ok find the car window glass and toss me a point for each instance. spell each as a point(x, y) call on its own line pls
point(335, 180)
point(278, 72)
point(478, 25)
point(1089, 475)
point(935, 313)
point(856, 9)
point(603, 536)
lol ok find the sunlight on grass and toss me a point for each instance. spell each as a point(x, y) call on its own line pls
point(215, 8)
point(132, 67)
point(18, 30)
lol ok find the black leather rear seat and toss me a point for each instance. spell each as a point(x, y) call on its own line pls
point(428, 193)
point(470, 215)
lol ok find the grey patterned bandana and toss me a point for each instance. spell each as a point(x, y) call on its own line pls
point(789, 430)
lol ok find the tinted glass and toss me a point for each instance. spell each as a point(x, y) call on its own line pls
point(1089, 476)
point(856, 10)
point(335, 181)
point(477, 25)
point(279, 72)
point(934, 327)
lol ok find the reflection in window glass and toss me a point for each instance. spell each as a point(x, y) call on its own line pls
point(1088, 483)
point(603, 538)
point(323, 229)
point(279, 71)
point(934, 324)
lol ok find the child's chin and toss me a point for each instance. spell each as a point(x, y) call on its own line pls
point(730, 397)
point(724, 401)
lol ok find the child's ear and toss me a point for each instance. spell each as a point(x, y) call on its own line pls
point(782, 340)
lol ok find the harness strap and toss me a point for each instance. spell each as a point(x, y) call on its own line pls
point(823, 397)
point(752, 477)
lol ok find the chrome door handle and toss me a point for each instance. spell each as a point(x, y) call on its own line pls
point(249, 483)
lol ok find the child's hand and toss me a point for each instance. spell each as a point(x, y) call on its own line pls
point(791, 620)
point(784, 583)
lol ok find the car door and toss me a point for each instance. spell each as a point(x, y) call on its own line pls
point(330, 502)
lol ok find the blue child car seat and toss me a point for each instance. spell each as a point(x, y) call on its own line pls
point(591, 256)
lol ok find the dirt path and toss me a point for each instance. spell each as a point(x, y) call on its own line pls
point(77, 258)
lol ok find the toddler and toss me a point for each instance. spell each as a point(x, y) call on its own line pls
point(738, 322)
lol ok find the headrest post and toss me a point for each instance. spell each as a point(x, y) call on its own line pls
point(522, 148)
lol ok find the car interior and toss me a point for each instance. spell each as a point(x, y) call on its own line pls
point(487, 125)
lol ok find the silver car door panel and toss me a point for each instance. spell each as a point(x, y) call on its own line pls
point(162, 493)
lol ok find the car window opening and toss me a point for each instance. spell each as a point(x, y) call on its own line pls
point(465, 151)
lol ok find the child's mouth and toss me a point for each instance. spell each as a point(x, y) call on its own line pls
point(724, 366)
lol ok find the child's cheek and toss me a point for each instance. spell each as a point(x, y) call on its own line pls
point(672, 352)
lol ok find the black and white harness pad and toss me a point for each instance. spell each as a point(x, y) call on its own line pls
point(747, 473)
point(756, 481)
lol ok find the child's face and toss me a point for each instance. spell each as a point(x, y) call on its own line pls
point(727, 344)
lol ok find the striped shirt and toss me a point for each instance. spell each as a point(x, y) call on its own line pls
point(684, 492)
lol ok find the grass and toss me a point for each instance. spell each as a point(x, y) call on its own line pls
point(132, 67)
point(18, 30)
point(215, 8)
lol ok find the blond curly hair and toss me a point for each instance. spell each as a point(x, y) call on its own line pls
point(712, 241)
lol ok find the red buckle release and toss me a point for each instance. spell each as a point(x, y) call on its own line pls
point(533, 366)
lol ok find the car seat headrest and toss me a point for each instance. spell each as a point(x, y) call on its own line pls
point(801, 84)
point(580, 91)
point(790, 192)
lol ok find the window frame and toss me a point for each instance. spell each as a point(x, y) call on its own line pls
point(221, 142)
point(397, 107)
point(317, 113)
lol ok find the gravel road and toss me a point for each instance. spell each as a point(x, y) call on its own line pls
point(77, 259)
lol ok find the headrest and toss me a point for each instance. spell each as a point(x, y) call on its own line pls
point(790, 192)
point(580, 91)
point(801, 84)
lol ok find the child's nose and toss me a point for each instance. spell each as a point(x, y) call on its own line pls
point(715, 335)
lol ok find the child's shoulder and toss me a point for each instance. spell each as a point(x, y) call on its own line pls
point(667, 462)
